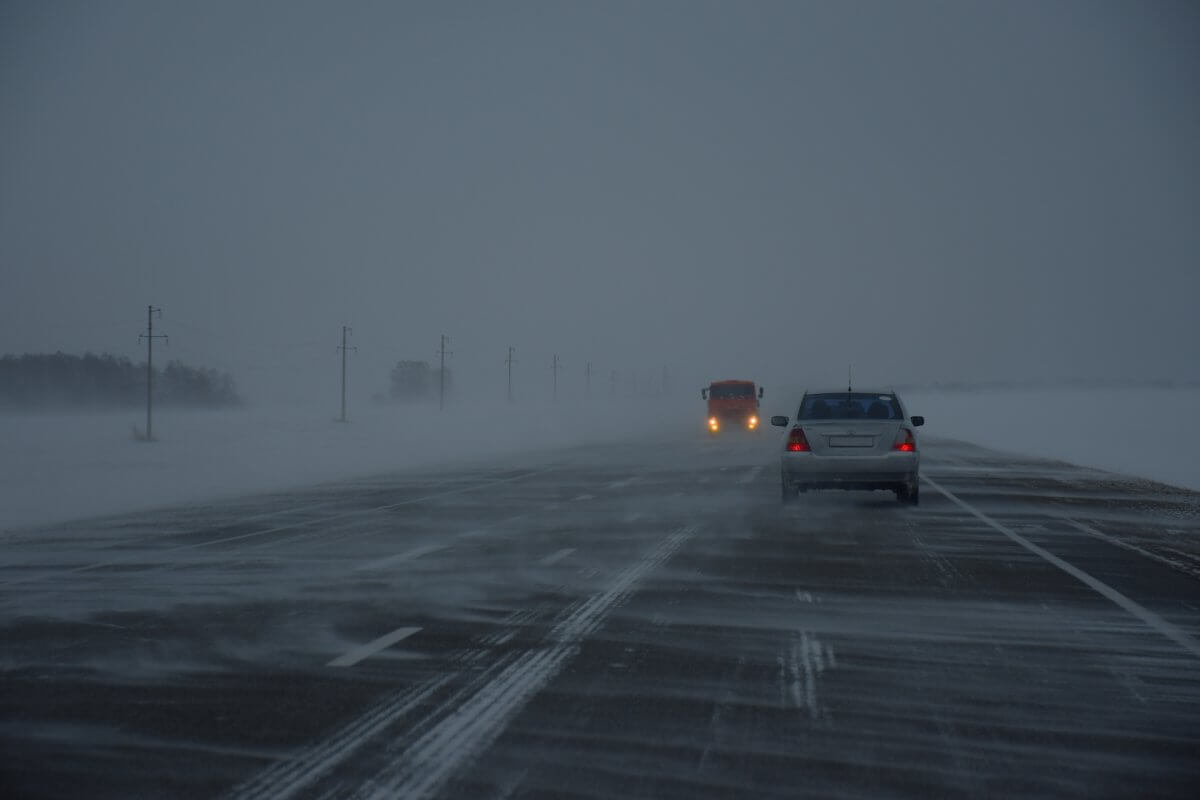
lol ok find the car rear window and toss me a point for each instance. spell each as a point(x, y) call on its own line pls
point(849, 405)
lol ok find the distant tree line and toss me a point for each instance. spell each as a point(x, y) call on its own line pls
point(35, 381)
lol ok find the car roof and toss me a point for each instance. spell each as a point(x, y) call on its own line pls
point(855, 390)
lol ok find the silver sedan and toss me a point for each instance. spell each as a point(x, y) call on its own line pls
point(851, 440)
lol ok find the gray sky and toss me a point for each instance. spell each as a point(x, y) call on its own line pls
point(932, 191)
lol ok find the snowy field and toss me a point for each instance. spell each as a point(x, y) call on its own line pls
point(1147, 433)
point(55, 467)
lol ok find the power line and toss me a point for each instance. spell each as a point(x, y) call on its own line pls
point(442, 373)
point(343, 348)
point(509, 363)
point(150, 336)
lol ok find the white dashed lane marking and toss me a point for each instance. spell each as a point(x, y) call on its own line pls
point(371, 648)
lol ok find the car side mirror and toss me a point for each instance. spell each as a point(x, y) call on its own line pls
point(918, 421)
point(760, 391)
point(779, 422)
point(704, 394)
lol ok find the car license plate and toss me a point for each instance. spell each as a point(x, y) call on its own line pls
point(851, 441)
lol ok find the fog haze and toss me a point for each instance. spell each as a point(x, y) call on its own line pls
point(930, 191)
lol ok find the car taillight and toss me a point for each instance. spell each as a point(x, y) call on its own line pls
point(797, 443)
point(712, 423)
point(905, 442)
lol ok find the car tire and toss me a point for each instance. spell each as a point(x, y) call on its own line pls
point(909, 492)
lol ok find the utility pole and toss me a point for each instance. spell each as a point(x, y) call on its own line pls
point(509, 363)
point(555, 368)
point(442, 373)
point(150, 336)
point(343, 348)
point(588, 372)
point(612, 383)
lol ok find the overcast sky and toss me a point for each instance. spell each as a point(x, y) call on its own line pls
point(929, 190)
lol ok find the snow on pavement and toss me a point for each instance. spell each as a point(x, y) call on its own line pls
point(55, 467)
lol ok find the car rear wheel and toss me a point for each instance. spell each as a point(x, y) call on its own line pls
point(909, 493)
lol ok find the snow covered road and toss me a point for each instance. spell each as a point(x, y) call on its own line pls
point(628, 620)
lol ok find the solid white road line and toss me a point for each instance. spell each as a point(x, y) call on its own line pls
point(400, 558)
point(554, 558)
point(1144, 614)
point(371, 648)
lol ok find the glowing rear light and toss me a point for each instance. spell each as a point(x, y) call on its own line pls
point(797, 443)
point(712, 423)
point(753, 422)
point(905, 442)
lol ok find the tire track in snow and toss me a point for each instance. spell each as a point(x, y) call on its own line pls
point(309, 765)
point(422, 768)
point(493, 697)
point(807, 660)
point(287, 778)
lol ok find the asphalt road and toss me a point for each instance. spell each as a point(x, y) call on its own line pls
point(629, 620)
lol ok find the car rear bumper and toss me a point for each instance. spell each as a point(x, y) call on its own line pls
point(850, 472)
